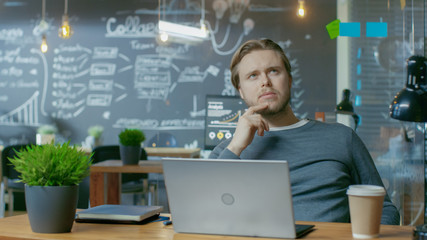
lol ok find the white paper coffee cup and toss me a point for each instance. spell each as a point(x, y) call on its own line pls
point(366, 205)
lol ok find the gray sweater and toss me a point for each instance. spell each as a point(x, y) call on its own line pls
point(324, 159)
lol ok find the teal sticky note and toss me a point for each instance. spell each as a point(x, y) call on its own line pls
point(333, 28)
point(376, 29)
point(350, 29)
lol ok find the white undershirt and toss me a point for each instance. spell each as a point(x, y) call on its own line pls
point(300, 123)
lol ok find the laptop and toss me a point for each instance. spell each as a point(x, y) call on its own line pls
point(231, 197)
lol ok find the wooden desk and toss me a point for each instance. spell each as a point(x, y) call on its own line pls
point(173, 152)
point(18, 227)
point(112, 169)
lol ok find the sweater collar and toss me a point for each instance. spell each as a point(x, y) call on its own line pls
point(298, 124)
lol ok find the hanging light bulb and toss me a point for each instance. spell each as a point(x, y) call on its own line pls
point(65, 31)
point(301, 8)
point(43, 46)
point(164, 36)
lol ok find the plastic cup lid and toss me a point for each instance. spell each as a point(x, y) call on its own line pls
point(365, 190)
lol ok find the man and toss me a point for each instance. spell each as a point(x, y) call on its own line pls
point(324, 159)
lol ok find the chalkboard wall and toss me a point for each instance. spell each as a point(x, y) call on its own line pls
point(115, 72)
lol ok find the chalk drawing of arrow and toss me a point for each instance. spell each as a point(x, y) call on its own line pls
point(119, 86)
point(125, 69)
point(82, 73)
point(124, 57)
point(80, 110)
point(81, 86)
point(123, 96)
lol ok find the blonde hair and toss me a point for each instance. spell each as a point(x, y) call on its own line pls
point(250, 46)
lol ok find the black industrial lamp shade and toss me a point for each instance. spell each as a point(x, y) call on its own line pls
point(410, 104)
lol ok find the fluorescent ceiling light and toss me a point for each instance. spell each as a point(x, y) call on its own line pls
point(182, 30)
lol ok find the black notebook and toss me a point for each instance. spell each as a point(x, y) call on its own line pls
point(118, 213)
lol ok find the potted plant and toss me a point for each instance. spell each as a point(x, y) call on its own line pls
point(130, 145)
point(51, 174)
point(95, 133)
point(46, 134)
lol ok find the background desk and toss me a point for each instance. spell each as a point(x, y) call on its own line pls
point(18, 227)
point(112, 169)
point(173, 152)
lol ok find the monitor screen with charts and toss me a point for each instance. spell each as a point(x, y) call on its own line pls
point(231, 197)
point(222, 114)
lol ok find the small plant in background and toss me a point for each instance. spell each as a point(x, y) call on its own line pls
point(47, 129)
point(95, 131)
point(46, 134)
point(52, 165)
point(131, 137)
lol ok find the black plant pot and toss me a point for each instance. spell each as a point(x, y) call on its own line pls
point(51, 209)
point(130, 155)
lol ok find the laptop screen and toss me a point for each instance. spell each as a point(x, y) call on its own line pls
point(222, 114)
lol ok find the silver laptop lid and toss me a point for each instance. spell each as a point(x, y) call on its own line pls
point(230, 197)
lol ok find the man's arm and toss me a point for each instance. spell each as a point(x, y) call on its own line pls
point(221, 152)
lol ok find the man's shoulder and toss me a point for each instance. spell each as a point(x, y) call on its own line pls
point(330, 127)
point(329, 124)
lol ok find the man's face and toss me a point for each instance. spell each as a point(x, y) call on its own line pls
point(264, 80)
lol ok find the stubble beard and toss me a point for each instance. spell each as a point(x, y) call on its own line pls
point(280, 109)
point(275, 111)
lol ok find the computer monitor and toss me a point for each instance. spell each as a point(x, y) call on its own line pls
point(222, 114)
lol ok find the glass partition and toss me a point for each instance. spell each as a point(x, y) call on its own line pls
point(374, 69)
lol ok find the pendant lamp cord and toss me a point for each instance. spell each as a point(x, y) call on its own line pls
point(66, 7)
point(43, 8)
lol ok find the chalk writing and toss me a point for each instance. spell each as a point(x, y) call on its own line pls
point(102, 69)
point(137, 123)
point(152, 76)
point(193, 74)
point(130, 29)
point(11, 34)
point(102, 100)
point(12, 72)
point(100, 85)
point(105, 52)
point(166, 124)
point(136, 45)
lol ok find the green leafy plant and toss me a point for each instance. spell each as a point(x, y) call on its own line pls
point(47, 129)
point(131, 137)
point(52, 165)
point(95, 131)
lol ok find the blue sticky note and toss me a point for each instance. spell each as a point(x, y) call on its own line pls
point(376, 29)
point(358, 100)
point(350, 29)
point(359, 84)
